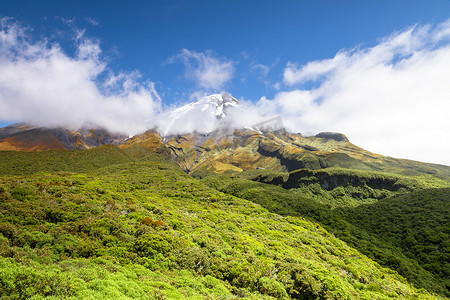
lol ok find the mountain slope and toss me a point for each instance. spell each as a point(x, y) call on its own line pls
point(25, 137)
point(30, 140)
point(27, 163)
point(225, 150)
point(384, 229)
point(417, 223)
point(284, 152)
point(147, 230)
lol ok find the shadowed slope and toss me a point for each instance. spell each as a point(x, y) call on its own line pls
point(25, 137)
point(30, 140)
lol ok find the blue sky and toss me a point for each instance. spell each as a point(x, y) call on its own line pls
point(175, 51)
point(144, 35)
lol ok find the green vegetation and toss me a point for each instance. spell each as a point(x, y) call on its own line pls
point(339, 187)
point(27, 163)
point(418, 224)
point(110, 227)
point(374, 212)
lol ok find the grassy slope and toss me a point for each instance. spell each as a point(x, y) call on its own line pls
point(27, 163)
point(284, 151)
point(146, 230)
point(408, 232)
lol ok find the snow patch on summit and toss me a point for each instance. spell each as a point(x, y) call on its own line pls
point(204, 115)
point(222, 103)
point(214, 105)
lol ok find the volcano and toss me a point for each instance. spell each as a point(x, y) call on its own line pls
point(219, 147)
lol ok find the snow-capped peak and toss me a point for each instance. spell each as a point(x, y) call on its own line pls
point(214, 105)
point(217, 104)
point(204, 115)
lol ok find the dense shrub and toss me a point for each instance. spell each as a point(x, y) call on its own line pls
point(147, 230)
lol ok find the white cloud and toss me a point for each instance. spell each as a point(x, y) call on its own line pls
point(310, 71)
point(263, 70)
point(209, 72)
point(41, 84)
point(393, 98)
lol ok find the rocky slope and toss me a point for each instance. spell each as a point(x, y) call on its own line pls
point(26, 137)
point(284, 152)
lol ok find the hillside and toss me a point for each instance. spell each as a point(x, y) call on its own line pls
point(26, 137)
point(225, 150)
point(402, 223)
point(281, 151)
point(147, 230)
point(417, 223)
point(26, 163)
point(256, 213)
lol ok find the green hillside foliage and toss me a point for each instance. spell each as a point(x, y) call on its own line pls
point(336, 177)
point(138, 153)
point(26, 163)
point(418, 223)
point(339, 187)
point(405, 231)
point(388, 165)
point(146, 230)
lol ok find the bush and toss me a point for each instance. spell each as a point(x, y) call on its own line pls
point(23, 194)
point(193, 259)
point(33, 239)
point(272, 288)
point(9, 231)
point(151, 244)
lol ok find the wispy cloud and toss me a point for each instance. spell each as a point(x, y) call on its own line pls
point(311, 71)
point(262, 71)
point(392, 98)
point(209, 72)
point(92, 21)
point(41, 84)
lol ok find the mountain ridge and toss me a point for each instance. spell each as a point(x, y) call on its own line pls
point(224, 150)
